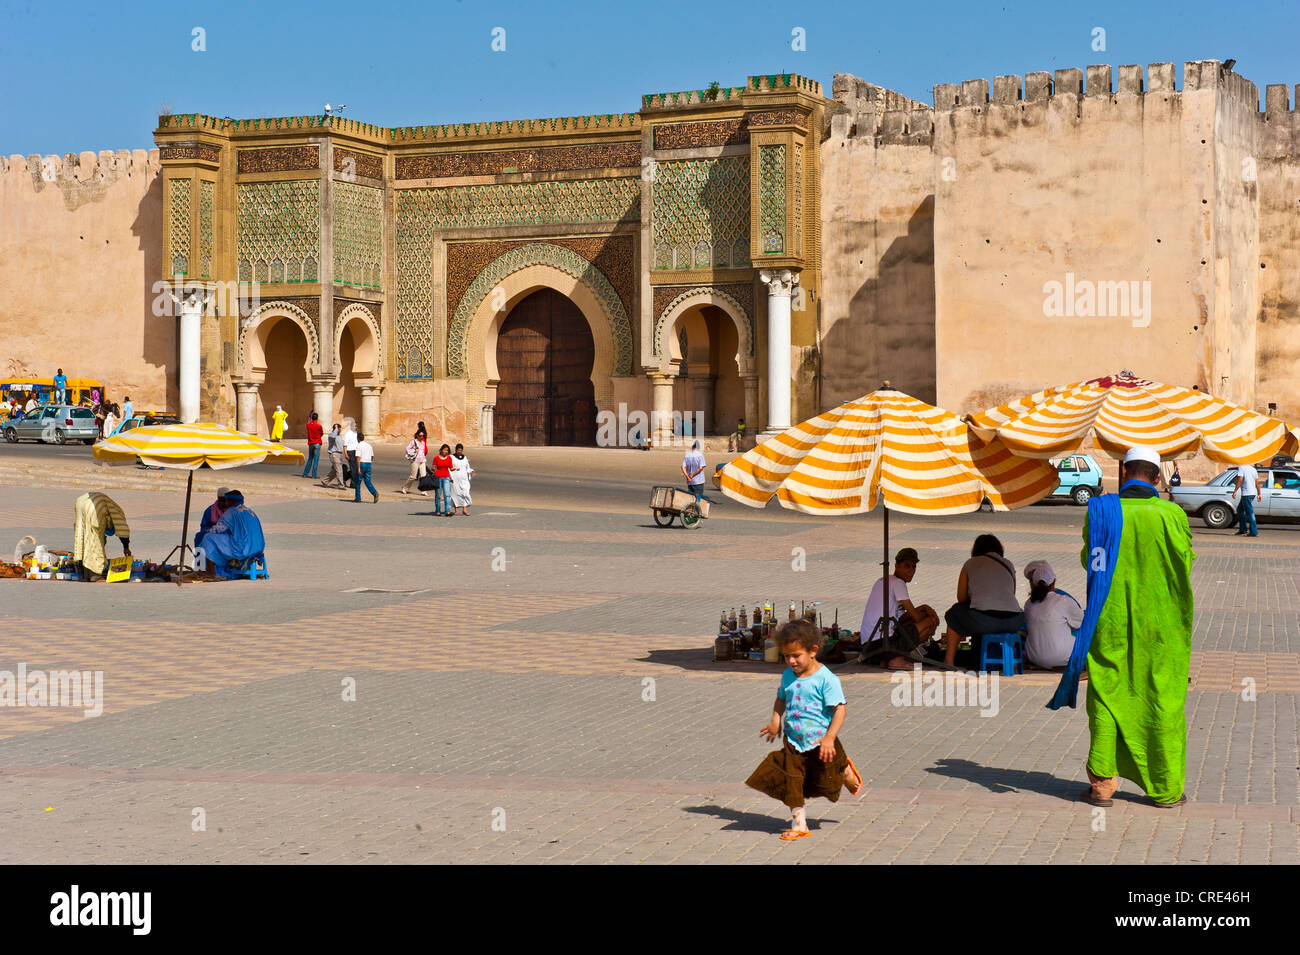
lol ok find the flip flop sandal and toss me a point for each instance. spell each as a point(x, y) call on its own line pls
point(790, 835)
point(1088, 797)
point(1182, 801)
point(862, 783)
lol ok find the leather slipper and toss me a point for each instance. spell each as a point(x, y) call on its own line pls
point(1090, 799)
point(1182, 801)
point(790, 835)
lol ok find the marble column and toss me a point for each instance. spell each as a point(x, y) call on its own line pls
point(780, 286)
point(370, 410)
point(485, 422)
point(703, 410)
point(751, 404)
point(246, 406)
point(661, 416)
point(322, 402)
point(189, 306)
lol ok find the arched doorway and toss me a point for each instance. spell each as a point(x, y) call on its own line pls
point(704, 353)
point(545, 353)
point(286, 351)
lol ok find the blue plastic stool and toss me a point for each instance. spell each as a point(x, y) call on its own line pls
point(1002, 649)
point(254, 568)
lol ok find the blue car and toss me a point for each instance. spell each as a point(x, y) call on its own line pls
point(1080, 478)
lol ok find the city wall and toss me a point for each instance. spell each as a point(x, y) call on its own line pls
point(1277, 339)
point(80, 247)
point(1049, 180)
point(877, 310)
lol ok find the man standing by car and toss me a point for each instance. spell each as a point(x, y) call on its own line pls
point(1247, 485)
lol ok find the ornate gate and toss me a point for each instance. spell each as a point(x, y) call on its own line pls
point(545, 354)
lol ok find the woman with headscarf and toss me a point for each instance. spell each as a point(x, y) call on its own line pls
point(1051, 616)
point(461, 472)
point(442, 465)
point(277, 423)
point(212, 516)
point(417, 452)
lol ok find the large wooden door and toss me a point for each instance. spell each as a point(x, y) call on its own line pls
point(545, 354)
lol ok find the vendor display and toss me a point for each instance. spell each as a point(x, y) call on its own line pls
point(746, 636)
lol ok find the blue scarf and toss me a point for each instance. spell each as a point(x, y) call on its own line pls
point(1105, 525)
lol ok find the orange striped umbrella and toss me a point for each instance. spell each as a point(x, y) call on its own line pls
point(1123, 411)
point(921, 459)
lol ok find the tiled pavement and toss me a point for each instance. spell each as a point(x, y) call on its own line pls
point(504, 715)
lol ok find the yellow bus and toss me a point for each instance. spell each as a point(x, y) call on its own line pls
point(79, 392)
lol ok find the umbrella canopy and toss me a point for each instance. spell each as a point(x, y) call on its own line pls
point(190, 446)
point(1123, 411)
point(919, 458)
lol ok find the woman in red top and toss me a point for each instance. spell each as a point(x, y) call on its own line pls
point(442, 474)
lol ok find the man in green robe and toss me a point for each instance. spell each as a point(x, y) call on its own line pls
point(1140, 653)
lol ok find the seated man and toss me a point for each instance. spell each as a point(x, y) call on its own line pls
point(211, 516)
point(235, 538)
point(924, 618)
point(98, 516)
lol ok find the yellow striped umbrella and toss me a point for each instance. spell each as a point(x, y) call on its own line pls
point(1123, 411)
point(190, 447)
point(920, 459)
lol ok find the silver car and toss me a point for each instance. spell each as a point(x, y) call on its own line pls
point(57, 424)
point(1213, 503)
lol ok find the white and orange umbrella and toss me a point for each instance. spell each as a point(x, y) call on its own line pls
point(1123, 411)
point(887, 446)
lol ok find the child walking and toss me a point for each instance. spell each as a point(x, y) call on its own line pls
point(809, 712)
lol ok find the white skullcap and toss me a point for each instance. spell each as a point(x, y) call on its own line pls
point(1039, 572)
point(222, 491)
point(1150, 455)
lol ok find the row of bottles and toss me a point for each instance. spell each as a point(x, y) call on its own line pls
point(744, 636)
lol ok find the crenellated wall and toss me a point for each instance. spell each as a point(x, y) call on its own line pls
point(1277, 340)
point(80, 248)
point(877, 310)
point(1052, 179)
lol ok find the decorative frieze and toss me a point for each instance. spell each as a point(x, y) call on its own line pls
point(352, 163)
point(203, 152)
point(278, 159)
point(779, 117)
point(722, 132)
point(540, 159)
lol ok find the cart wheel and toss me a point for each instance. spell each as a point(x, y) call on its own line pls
point(690, 516)
point(663, 518)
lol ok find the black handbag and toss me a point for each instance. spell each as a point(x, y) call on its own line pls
point(428, 482)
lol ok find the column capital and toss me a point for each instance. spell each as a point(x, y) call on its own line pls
point(247, 387)
point(368, 391)
point(779, 282)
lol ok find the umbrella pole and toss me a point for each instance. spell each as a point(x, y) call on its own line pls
point(185, 527)
point(884, 578)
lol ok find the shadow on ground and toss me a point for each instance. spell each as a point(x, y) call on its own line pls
point(738, 821)
point(998, 780)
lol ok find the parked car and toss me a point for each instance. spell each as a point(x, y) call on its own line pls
point(57, 424)
point(1080, 478)
point(1213, 503)
point(143, 419)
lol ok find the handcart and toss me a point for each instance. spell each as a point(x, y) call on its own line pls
point(668, 502)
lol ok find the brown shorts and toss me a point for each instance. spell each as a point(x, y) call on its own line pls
point(791, 776)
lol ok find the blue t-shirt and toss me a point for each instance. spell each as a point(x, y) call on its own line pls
point(61, 382)
point(694, 461)
point(809, 706)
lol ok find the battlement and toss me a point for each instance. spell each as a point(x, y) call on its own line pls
point(762, 83)
point(1096, 81)
point(1277, 101)
point(87, 167)
point(867, 110)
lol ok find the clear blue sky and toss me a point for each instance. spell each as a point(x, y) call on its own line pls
point(83, 75)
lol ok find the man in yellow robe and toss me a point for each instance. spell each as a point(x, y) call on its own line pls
point(98, 515)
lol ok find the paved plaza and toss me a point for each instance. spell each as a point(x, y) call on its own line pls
point(535, 683)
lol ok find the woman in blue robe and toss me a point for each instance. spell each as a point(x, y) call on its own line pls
point(234, 539)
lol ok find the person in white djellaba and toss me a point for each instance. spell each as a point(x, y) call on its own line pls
point(461, 473)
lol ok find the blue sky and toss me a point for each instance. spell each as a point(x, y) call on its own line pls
point(95, 75)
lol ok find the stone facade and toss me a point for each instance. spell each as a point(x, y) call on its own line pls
point(887, 238)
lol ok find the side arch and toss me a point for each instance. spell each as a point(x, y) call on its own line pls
point(253, 332)
point(369, 360)
point(704, 295)
point(609, 310)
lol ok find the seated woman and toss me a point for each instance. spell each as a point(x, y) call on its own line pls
point(986, 601)
point(233, 539)
point(1050, 616)
point(211, 516)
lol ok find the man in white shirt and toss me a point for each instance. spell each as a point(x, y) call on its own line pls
point(350, 451)
point(365, 456)
point(1247, 484)
point(925, 619)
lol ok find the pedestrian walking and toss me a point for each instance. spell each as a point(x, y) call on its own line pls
point(808, 713)
point(128, 410)
point(693, 468)
point(334, 447)
point(277, 423)
point(350, 452)
point(315, 433)
point(110, 421)
point(365, 458)
point(417, 452)
point(442, 465)
point(1136, 638)
point(1247, 485)
point(461, 473)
